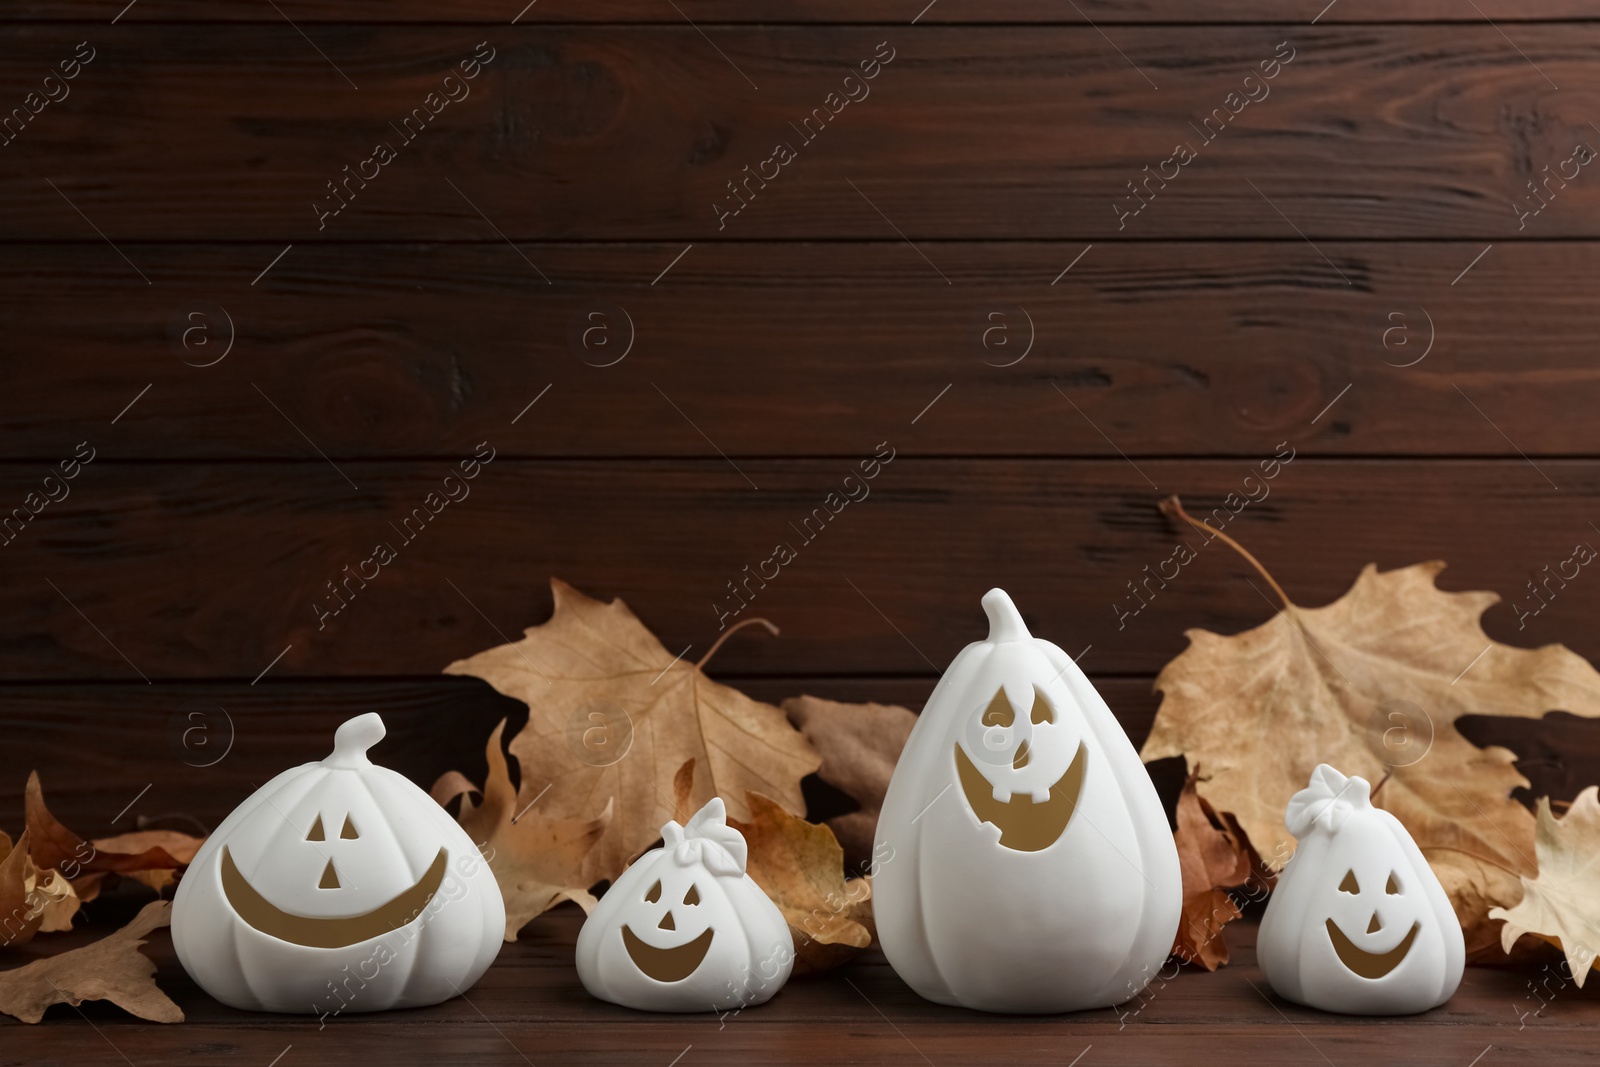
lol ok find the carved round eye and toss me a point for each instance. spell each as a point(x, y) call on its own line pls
point(1349, 884)
point(1393, 888)
point(999, 711)
point(692, 896)
point(654, 894)
point(1041, 710)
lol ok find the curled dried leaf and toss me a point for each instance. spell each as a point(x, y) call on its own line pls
point(801, 867)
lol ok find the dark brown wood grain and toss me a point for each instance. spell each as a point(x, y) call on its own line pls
point(530, 1008)
point(229, 132)
point(890, 12)
point(793, 349)
point(118, 756)
point(214, 570)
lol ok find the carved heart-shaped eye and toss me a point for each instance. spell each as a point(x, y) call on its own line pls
point(1393, 888)
point(999, 711)
point(654, 894)
point(1041, 710)
point(1349, 884)
point(692, 896)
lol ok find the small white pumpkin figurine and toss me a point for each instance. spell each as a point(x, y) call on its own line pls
point(337, 886)
point(1357, 923)
point(1023, 860)
point(685, 928)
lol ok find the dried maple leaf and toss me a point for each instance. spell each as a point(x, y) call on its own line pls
point(859, 745)
point(612, 715)
point(1365, 684)
point(111, 968)
point(1562, 905)
point(801, 867)
point(153, 857)
point(537, 860)
point(1212, 859)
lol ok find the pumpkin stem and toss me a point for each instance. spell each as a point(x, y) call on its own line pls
point(353, 738)
point(1005, 622)
point(729, 632)
point(1173, 506)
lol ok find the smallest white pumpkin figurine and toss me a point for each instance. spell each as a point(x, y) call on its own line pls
point(685, 928)
point(1358, 923)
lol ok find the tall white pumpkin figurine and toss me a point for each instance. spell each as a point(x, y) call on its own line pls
point(1358, 923)
point(1023, 860)
point(685, 928)
point(337, 886)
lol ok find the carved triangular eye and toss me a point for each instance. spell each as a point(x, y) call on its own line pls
point(1041, 710)
point(655, 892)
point(1393, 888)
point(316, 833)
point(1349, 884)
point(349, 831)
point(692, 896)
point(999, 711)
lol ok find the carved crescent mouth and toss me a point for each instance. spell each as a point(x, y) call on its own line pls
point(332, 932)
point(1369, 964)
point(667, 964)
point(1024, 825)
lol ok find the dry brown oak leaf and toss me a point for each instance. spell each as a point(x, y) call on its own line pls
point(537, 860)
point(800, 866)
point(111, 968)
point(154, 857)
point(1375, 680)
point(1211, 859)
point(1562, 905)
point(613, 715)
point(859, 745)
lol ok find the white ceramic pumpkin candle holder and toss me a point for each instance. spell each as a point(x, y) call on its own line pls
point(1358, 923)
point(685, 928)
point(337, 886)
point(1024, 860)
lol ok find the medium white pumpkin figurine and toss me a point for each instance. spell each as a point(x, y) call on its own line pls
point(685, 928)
point(1358, 923)
point(1024, 862)
point(337, 886)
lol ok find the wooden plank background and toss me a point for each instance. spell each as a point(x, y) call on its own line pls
point(1370, 267)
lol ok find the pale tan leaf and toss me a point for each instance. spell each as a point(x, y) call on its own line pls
point(1392, 663)
point(613, 715)
point(537, 860)
point(1562, 905)
point(111, 969)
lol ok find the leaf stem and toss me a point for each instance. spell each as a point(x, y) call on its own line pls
point(1172, 505)
point(729, 632)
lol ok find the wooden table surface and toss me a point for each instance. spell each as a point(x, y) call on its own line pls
point(530, 1009)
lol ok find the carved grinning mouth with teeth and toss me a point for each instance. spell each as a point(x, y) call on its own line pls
point(1026, 824)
